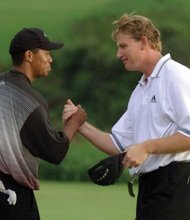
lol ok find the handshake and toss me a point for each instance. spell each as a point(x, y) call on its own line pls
point(70, 109)
point(72, 118)
point(73, 112)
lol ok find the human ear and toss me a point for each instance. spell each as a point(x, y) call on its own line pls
point(28, 56)
point(144, 42)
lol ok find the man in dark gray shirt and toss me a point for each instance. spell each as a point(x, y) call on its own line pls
point(27, 134)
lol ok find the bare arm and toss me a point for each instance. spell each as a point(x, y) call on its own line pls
point(100, 139)
point(175, 143)
point(138, 153)
point(74, 122)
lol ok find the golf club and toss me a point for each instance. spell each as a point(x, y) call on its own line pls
point(136, 173)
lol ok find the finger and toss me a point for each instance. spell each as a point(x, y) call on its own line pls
point(133, 164)
point(126, 164)
point(66, 116)
point(70, 102)
point(70, 112)
point(125, 158)
point(67, 113)
point(79, 105)
point(68, 108)
point(126, 161)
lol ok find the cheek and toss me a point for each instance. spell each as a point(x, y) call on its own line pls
point(136, 53)
point(42, 63)
point(41, 66)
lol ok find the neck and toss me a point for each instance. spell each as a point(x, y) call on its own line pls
point(151, 61)
point(24, 71)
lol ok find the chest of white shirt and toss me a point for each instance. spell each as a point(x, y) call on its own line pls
point(148, 102)
point(149, 95)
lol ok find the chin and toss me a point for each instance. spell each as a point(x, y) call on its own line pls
point(128, 68)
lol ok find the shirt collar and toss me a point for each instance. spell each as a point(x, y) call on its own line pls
point(157, 69)
point(159, 65)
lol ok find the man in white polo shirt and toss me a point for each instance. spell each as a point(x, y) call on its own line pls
point(155, 130)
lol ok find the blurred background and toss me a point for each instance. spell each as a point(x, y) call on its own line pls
point(87, 71)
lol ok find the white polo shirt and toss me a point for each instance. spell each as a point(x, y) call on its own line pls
point(159, 108)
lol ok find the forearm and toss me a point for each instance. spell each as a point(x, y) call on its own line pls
point(175, 143)
point(138, 153)
point(98, 138)
point(70, 129)
point(73, 123)
point(45, 142)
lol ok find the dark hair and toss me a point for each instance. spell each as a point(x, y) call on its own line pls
point(18, 58)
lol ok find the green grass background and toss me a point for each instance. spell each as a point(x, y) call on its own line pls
point(60, 200)
point(77, 201)
point(71, 200)
point(54, 16)
point(85, 201)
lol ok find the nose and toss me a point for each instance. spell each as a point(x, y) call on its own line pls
point(50, 59)
point(118, 54)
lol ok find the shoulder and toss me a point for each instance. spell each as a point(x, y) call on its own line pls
point(176, 69)
point(175, 73)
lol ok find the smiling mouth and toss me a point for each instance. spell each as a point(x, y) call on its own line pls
point(124, 61)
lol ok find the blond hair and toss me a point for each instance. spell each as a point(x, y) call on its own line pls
point(138, 26)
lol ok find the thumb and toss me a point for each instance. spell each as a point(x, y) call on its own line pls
point(70, 102)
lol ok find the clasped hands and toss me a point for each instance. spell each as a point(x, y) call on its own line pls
point(135, 155)
point(70, 111)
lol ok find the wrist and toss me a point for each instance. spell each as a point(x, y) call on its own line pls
point(81, 128)
point(149, 147)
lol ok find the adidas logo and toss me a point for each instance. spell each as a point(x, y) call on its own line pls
point(153, 99)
